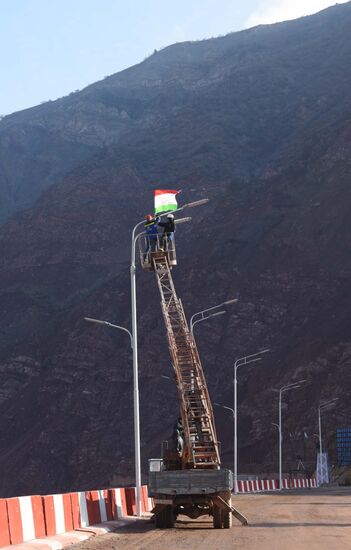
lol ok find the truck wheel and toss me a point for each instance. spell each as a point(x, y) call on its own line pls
point(159, 520)
point(227, 519)
point(164, 518)
point(169, 513)
point(217, 517)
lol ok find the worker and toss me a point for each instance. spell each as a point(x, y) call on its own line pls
point(178, 436)
point(151, 231)
point(168, 231)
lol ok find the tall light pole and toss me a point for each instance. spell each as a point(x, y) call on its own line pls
point(233, 413)
point(203, 315)
point(135, 351)
point(283, 389)
point(240, 363)
point(278, 428)
point(325, 405)
point(136, 411)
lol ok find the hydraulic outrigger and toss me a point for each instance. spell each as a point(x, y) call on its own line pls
point(191, 481)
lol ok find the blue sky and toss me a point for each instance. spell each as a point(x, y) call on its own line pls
point(49, 48)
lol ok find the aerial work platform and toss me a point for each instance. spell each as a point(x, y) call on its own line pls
point(150, 248)
point(190, 480)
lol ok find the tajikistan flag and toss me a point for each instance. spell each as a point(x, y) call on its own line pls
point(165, 200)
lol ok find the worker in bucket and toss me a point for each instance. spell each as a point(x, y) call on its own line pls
point(151, 231)
point(168, 231)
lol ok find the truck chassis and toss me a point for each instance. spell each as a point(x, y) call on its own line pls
point(193, 493)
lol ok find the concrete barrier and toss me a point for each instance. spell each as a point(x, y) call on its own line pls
point(91, 507)
point(119, 503)
point(131, 501)
point(26, 518)
point(4, 524)
point(58, 514)
point(147, 502)
point(254, 486)
point(98, 506)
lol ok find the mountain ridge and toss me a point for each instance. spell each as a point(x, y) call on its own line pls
point(73, 128)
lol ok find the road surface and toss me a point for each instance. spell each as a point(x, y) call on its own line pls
point(316, 519)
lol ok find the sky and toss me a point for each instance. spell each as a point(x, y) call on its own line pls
point(49, 48)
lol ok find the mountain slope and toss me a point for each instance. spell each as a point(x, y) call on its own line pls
point(240, 98)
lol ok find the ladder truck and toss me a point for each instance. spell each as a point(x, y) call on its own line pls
point(190, 480)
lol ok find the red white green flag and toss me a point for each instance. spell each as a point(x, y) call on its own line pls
point(165, 200)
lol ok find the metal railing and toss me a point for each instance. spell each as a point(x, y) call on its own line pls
point(153, 244)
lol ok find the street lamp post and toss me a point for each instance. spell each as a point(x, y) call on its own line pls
point(320, 443)
point(322, 407)
point(203, 314)
point(136, 409)
point(233, 413)
point(287, 387)
point(135, 350)
point(277, 426)
point(240, 363)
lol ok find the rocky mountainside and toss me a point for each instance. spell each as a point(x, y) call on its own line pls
point(237, 101)
point(258, 121)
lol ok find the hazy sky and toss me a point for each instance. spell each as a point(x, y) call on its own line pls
point(49, 48)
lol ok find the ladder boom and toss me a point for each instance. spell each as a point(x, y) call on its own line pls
point(200, 440)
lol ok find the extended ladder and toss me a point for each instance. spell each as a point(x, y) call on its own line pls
point(200, 440)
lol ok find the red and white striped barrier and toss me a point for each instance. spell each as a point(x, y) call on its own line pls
point(4, 524)
point(130, 493)
point(124, 502)
point(119, 503)
point(256, 486)
point(97, 508)
point(58, 513)
point(147, 503)
point(26, 518)
point(303, 483)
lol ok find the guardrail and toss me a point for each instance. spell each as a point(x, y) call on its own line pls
point(27, 518)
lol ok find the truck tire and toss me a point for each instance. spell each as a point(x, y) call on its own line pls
point(217, 517)
point(227, 519)
point(164, 519)
point(159, 520)
point(170, 519)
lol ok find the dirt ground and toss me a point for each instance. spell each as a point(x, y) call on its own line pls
point(316, 519)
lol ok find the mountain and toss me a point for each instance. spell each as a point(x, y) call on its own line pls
point(258, 121)
point(241, 100)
